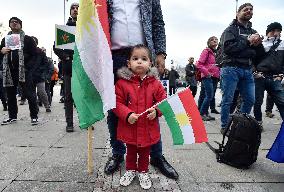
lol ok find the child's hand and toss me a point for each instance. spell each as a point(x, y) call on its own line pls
point(152, 113)
point(133, 118)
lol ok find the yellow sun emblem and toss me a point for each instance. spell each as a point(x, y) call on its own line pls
point(86, 14)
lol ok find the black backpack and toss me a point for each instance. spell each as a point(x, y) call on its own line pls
point(241, 148)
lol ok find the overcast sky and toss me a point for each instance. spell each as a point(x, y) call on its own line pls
point(189, 23)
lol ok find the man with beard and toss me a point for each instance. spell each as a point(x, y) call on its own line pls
point(17, 67)
point(239, 43)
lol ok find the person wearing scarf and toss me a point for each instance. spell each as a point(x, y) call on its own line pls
point(16, 66)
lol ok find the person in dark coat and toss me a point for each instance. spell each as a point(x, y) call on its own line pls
point(190, 70)
point(173, 76)
point(17, 66)
point(66, 56)
point(39, 76)
point(239, 43)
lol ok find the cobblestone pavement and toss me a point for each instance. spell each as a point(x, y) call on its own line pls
point(45, 158)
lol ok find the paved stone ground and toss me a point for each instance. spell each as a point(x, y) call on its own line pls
point(45, 158)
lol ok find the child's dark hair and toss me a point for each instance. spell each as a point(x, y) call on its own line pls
point(140, 46)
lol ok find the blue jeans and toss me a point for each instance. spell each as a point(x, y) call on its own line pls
point(118, 147)
point(274, 89)
point(207, 83)
point(202, 94)
point(233, 77)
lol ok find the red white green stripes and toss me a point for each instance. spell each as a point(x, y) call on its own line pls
point(183, 118)
point(92, 77)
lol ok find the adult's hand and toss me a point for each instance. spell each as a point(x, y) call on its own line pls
point(160, 61)
point(5, 50)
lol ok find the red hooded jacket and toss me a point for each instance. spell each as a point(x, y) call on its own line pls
point(136, 95)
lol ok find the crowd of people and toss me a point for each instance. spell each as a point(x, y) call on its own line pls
point(245, 64)
point(241, 62)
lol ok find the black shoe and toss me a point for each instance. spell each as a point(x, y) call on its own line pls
point(164, 167)
point(215, 111)
point(205, 118)
point(48, 110)
point(34, 122)
point(69, 128)
point(210, 118)
point(9, 121)
point(113, 164)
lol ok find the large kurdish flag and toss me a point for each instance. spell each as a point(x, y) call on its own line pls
point(92, 75)
point(183, 118)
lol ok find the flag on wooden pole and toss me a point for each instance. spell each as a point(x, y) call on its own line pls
point(92, 69)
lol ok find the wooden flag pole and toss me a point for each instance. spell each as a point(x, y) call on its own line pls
point(90, 151)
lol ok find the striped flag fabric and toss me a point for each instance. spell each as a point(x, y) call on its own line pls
point(183, 118)
point(92, 69)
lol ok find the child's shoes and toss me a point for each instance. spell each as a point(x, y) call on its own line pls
point(144, 180)
point(127, 178)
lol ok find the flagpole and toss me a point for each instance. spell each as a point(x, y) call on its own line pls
point(90, 150)
point(236, 6)
point(64, 12)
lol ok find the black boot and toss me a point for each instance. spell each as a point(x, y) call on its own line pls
point(69, 127)
point(164, 167)
point(113, 163)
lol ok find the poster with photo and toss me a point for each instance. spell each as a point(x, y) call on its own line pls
point(13, 41)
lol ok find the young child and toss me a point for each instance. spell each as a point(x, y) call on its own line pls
point(137, 90)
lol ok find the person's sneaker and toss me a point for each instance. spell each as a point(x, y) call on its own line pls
point(205, 118)
point(48, 110)
point(8, 121)
point(34, 122)
point(127, 178)
point(215, 111)
point(144, 180)
point(269, 114)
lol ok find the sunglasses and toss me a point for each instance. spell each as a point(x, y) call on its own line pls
point(75, 7)
point(14, 21)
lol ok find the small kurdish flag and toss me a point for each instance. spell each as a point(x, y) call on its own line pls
point(183, 118)
point(65, 36)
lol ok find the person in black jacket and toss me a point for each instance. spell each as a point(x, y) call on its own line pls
point(66, 56)
point(39, 76)
point(190, 70)
point(239, 43)
point(17, 66)
point(173, 76)
point(270, 71)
